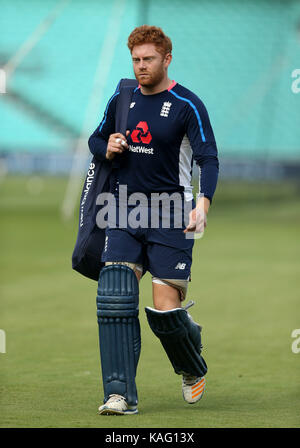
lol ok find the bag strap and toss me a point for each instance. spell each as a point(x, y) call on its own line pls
point(125, 87)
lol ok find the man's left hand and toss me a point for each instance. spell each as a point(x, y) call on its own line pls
point(198, 217)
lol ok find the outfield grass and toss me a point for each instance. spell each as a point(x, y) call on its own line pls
point(245, 281)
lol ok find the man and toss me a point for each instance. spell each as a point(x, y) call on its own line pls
point(168, 127)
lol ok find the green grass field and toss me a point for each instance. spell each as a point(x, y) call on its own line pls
point(245, 282)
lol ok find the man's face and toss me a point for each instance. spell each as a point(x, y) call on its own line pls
point(149, 65)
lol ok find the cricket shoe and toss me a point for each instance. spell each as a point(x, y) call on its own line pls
point(192, 388)
point(117, 405)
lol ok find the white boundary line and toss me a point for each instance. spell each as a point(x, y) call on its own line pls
point(2, 341)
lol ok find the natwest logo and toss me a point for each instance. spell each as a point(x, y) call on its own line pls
point(141, 133)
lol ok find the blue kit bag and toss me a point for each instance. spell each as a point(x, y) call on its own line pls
point(86, 257)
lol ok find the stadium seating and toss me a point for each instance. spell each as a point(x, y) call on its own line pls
point(237, 56)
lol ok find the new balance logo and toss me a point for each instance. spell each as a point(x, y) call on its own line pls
point(165, 109)
point(132, 105)
point(181, 266)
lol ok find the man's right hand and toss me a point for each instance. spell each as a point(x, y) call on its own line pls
point(117, 144)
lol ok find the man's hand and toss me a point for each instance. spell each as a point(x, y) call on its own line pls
point(198, 216)
point(117, 144)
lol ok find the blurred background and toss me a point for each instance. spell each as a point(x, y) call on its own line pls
point(63, 59)
point(60, 62)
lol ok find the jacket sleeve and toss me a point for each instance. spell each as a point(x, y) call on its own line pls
point(99, 138)
point(202, 140)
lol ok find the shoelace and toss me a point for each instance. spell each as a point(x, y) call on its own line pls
point(189, 380)
point(115, 397)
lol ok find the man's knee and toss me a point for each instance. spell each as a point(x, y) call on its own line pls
point(180, 285)
point(136, 267)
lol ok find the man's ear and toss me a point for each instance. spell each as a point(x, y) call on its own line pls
point(168, 59)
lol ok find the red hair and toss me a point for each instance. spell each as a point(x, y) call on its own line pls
point(147, 34)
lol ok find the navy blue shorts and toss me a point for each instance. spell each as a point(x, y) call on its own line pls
point(164, 252)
